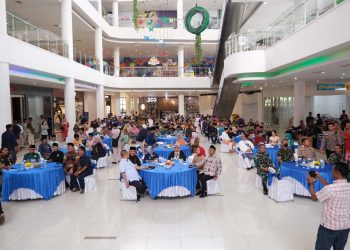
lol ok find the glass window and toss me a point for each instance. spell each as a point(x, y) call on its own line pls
point(123, 106)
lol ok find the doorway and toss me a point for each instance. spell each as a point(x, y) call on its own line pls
point(18, 107)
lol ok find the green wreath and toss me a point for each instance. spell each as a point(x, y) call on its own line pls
point(197, 31)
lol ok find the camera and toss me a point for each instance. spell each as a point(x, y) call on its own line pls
point(312, 173)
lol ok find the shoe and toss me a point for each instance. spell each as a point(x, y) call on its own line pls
point(138, 197)
point(198, 192)
point(2, 218)
point(82, 191)
point(266, 192)
point(75, 190)
point(250, 168)
point(203, 195)
point(114, 162)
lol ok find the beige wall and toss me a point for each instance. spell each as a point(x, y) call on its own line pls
point(90, 104)
point(206, 104)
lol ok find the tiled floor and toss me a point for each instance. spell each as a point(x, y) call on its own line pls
point(241, 219)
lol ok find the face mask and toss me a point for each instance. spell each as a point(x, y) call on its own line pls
point(286, 145)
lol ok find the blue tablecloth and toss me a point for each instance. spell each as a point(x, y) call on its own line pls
point(108, 141)
point(237, 139)
point(169, 139)
point(43, 181)
point(65, 151)
point(299, 173)
point(272, 152)
point(161, 178)
point(165, 152)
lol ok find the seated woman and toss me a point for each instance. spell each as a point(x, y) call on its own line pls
point(180, 140)
point(98, 150)
point(198, 157)
point(90, 141)
point(274, 139)
point(227, 142)
point(196, 145)
point(151, 155)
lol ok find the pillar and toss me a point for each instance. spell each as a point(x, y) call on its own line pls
point(260, 102)
point(180, 14)
point(115, 11)
point(181, 105)
point(3, 21)
point(116, 104)
point(99, 6)
point(98, 47)
point(67, 25)
point(299, 102)
point(116, 57)
point(180, 60)
point(100, 102)
point(5, 100)
point(69, 104)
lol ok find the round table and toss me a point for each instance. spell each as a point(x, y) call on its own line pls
point(177, 181)
point(169, 139)
point(297, 175)
point(35, 183)
point(272, 152)
point(108, 142)
point(165, 151)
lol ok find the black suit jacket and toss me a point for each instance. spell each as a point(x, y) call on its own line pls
point(182, 155)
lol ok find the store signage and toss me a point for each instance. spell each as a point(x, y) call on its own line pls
point(151, 99)
point(331, 86)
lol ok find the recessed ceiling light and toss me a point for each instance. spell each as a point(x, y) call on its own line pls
point(343, 74)
point(265, 3)
point(323, 72)
point(295, 78)
point(317, 80)
point(261, 88)
point(342, 77)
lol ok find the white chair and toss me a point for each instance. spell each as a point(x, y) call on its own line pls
point(240, 160)
point(102, 162)
point(224, 148)
point(258, 182)
point(213, 187)
point(281, 190)
point(90, 182)
point(190, 159)
point(128, 194)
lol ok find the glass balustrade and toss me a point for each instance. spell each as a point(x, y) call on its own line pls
point(85, 59)
point(302, 13)
point(27, 32)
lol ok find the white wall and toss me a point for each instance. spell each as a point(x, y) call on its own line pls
point(206, 104)
point(329, 105)
point(249, 106)
point(90, 104)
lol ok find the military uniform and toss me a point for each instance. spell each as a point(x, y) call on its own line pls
point(329, 140)
point(285, 154)
point(262, 160)
point(335, 157)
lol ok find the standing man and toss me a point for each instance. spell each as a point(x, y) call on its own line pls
point(263, 163)
point(329, 140)
point(115, 134)
point(211, 170)
point(84, 169)
point(9, 141)
point(335, 219)
point(310, 120)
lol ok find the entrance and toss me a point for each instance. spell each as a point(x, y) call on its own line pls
point(18, 107)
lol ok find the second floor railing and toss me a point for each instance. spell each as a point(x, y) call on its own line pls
point(85, 59)
point(160, 71)
point(27, 32)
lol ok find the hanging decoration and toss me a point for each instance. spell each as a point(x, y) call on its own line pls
point(197, 30)
point(135, 15)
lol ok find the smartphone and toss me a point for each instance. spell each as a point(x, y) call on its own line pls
point(312, 173)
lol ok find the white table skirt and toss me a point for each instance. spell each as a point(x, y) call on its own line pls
point(29, 194)
point(176, 191)
point(297, 187)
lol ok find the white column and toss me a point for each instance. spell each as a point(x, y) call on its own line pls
point(181, 105)
point(98, 47)
point(5, 100)
point(180, 14)
point(67, 25)
point(3, 22)
point(116, 57)
point(299, 103)
point(99, 6)
point(116, 104)
point(115, 12)
point(180, 60)
point(69, 104)
point(100, 102)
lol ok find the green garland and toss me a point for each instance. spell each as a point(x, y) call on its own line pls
point(135, 15)
point(197, 31)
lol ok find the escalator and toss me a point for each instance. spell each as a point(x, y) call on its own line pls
point(236, 15)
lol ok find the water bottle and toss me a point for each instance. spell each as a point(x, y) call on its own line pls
point(45, 163)
point(22, 165)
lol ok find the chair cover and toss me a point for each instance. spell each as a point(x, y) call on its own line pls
point(102, 162)
point(213, 187)
point(90, 182)
point(281, 190)
point(128, 194)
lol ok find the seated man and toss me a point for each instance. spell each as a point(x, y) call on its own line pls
point(150, 139)
point(128, 171)
point(44, 148)
point(84, 169)
point(77, 141)
point(246, 147)
point(177, 154)
point(70, 160)
point(133, 157)
point(31, 155)
point(54, 140)
point(56, 155)
point(82, 135)
point(285, 154)
point(337, 156)
point(151, 155)
point(306, 151)
point(211, 169)
point(226, 140)
point(260, 138)
point(262, 163)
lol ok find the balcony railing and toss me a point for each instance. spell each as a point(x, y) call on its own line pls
point(291, 21)
point(94, 3)
point(160, 71)
point(214, 23)
point(29, 33)
point(86, 59)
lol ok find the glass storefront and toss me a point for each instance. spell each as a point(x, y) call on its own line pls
point(278, 111)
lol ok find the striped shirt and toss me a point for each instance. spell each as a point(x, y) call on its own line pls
point(336, 205)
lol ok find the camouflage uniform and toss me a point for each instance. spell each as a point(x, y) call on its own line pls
point(262, 160)
point(285, 154)
point(335, 157)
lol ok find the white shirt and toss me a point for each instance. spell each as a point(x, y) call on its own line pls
point(127, 167)
point(224, 136)
point(150, 122)
point(244, 145)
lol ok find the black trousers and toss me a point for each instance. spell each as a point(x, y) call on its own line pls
point(327, 238)
point(139, 185)
point(1, 211)
point(203, 179)
point(78, 182)
point(13, 155)
point(328, 153)
point(198, 186)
